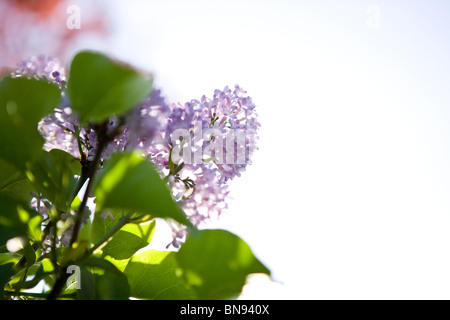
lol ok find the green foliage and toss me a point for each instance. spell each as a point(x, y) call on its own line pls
point(5, 271)
point(127, 241)
point(16, 220)
point(216, 263)
point(108, 249)
point(152, 275)
point(23, 103)
point(54, 175)
point(130, 182)
point(100, 87)
point(101, 280)
point(13, 182)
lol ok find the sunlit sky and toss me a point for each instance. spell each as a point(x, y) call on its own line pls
point(348, 195)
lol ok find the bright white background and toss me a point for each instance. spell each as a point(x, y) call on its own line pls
point(348, 196)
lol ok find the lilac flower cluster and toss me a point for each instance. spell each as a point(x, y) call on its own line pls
point(221, 131)
point(41, 67)
point(210, 124)
point(223, 128)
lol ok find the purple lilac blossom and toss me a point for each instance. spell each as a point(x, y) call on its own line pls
point(228, 114)
point(41, 67)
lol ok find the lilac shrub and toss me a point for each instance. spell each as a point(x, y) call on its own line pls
point(197, 146)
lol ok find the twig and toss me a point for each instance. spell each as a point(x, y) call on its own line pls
point(123, 221)
point(62, 274)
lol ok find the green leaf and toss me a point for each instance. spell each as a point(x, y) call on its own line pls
point(13, 182)
point(29, 253)
point(129, 240)
point(100, 87)
point(152, 275)
point(55, 176)
point(131, 183)
point(97, 262)
point(216, 263)
point(9, 257)
point(23, 103)
point(5, 274)
point(112, 286)
point(34, 227)
point(102, 225)
point(14, 218)
point(87, 285)
point(119, 264)
point(101, 280)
